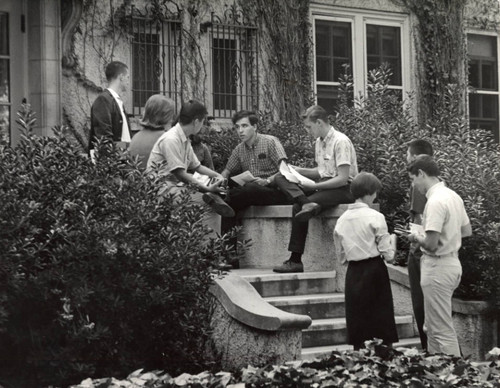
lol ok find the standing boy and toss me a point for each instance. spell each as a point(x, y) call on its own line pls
point(417, 205)
point(444, 223)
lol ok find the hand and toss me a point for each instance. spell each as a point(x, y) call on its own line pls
point(261, 182)
point(216, 187)
point(308, 186)
point(412, 237)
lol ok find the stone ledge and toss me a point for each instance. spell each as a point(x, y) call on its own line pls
point(243, 303)
point(285, 211)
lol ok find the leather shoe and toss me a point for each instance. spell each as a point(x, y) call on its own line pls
point(289, 267)
point(308, 211)
point(218, 205)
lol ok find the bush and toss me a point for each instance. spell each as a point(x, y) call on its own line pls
point(376, 366)
point(98, 273)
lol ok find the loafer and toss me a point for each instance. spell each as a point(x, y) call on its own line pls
point(289, 267)
point(218, 205)
point(308, 211)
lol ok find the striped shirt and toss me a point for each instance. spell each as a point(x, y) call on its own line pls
point(262, 159)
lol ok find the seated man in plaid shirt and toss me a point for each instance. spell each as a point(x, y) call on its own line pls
point(257, 153)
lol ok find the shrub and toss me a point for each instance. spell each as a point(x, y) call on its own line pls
point(98, 273)
point(376, 366)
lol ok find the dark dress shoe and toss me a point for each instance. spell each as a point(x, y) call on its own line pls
point(308, 211)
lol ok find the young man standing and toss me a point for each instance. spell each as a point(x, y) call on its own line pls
point(445, 223)
point(336, 167)
point(417, 205)
point(259, 154)
point(108, 119)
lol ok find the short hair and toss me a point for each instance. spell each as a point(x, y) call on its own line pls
point(252, 117)
point(316, 112)
point(365, 183)
point(114, 69)
point(195, 139)
point(158, 111)
point(420, 147)
point(192, 110)
point(425, 163)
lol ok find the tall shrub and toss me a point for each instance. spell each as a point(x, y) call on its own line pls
point(98, 272)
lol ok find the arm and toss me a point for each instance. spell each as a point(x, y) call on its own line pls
point(101, 117)
point(206, 171)
point(208, 158)
point(311, 173)
point(429, 241)
point(466, 230)
point(340, 180)
point(183, 176)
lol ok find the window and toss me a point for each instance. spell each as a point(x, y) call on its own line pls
point(354, 43)
point(156, 59)
point(483, 80)
point(5, 99)
point(233, 72)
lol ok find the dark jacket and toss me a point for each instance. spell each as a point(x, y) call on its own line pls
point(105, 119)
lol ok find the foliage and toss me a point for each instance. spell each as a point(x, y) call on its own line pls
point(381, 126)
point(99, 273)
point(375, 366)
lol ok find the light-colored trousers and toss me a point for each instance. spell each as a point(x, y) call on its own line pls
point(439, 278)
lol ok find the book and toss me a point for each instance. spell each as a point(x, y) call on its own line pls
point(204, 179)
point(244, 178)
point(292, 175)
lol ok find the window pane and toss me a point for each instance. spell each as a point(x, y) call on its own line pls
point(489, 72)
point(4, 33)
point(4, 122)
point(329, 98)
point(225, 73)
point(333, 49)
point(490, 106)
point(474, 74)
point(4, 81)
point(481, 45)
point(383, 46)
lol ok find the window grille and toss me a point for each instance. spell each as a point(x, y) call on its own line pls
point(234, 61)
point(156, 54)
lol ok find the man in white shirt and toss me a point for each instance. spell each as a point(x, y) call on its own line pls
point(445, 223)
point(336, 167)
point(108, 119)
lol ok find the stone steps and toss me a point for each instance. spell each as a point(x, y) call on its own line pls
point(313, 294)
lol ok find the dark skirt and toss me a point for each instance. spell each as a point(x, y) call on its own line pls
point(368, 302)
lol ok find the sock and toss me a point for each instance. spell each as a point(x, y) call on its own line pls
point(302, 200)
point(296, 257)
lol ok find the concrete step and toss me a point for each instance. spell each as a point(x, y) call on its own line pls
point(317, 306)
point(333, 331)
point(324, 351)
point(268, 283)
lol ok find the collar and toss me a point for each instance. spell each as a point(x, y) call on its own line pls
point(114, 94)
point(329, 135)
point(257, 140)
point(180, 132)
point(434, 188)
point(357, 205)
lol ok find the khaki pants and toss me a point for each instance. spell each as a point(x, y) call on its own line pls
point(439, 278)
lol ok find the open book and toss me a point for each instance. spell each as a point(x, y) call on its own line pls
point(292, 175)
point(244, 178)
point(204, 179)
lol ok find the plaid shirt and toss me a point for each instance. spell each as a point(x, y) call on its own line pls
point(262, 159)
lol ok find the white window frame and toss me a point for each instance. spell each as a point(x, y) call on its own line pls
point(359, 19)
point(487, 92)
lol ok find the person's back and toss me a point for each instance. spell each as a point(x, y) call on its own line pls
point(158, 115)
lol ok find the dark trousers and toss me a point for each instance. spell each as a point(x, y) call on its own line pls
point(417, 296)
point(252, 194)
point(326, 198)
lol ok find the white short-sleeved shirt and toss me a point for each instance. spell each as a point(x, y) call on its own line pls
point(360, 233)
point(175, 149)
point(335, 150)
point(444, 213)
